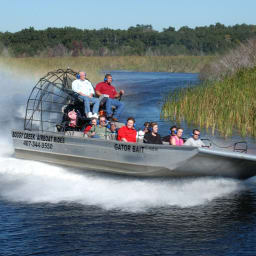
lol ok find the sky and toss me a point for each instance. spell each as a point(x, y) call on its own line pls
point(119, 14)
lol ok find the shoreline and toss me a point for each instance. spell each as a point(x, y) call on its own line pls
point(38, 66)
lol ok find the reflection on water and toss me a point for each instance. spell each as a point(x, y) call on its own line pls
point(50, 210)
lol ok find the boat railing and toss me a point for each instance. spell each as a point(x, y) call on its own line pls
point(240, 146)
point(207, 143)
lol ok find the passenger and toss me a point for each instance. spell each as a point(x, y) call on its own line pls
point(146, 127)
point(176, 139)
point(72, 115)
point(106, 89)
point(113, 131)
point(153, 137)
point(99, 131)
point(141, 133)
point(85, 91)
point(194, 140)
point(127, 133)
point(173, 131)
point(92, 123)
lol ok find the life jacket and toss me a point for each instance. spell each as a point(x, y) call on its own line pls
point(72, 115)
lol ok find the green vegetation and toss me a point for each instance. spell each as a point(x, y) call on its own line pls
point(226, 99)
point(223, 105)
point(37, 67)
point(141, 40)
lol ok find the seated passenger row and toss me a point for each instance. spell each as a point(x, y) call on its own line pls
point(128, 133)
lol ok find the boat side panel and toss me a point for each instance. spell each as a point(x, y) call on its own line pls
point(95, 164)
point(111, 155)
point(204, 164)
point(132, 159)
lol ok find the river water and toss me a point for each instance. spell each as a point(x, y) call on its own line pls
point(51, 210)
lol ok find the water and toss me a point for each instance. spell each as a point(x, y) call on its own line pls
point(51, 210)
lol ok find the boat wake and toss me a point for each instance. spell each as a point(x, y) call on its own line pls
point(34, 182)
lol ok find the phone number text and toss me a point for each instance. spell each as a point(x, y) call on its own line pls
point(36, 144)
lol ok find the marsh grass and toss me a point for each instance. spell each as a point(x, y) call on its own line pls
point(224, 106)
point(93, 66)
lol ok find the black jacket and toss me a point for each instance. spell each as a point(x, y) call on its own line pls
point(149, 138)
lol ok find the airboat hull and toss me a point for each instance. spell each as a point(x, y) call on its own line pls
point(134, 159)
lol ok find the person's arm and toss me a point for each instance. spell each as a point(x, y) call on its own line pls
point(188, 142)
point(92, 131)
point(121, 135)
point(87, 129)
point(107, 132)
point(98, 93)
point(97, 90)
point(146, 138)
point(75, 88)
point(202, 144)
point(159, 139)
point(132, 137)
point(91, 89)
point(118, 94)
point(172, 141)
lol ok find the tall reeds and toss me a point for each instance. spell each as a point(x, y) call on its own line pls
point(223, 105)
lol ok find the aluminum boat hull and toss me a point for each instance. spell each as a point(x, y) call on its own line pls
point(136, 159)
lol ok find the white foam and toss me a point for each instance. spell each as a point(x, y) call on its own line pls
point(35, 182)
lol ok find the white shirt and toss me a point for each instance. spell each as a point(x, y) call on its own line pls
point(194, 143)
point(83, 86)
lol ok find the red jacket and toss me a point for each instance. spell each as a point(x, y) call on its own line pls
point(105, 88)
point(128, 134)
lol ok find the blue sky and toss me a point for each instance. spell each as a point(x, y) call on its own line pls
point(95, 14)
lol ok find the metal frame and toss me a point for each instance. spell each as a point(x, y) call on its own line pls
point(46, 101)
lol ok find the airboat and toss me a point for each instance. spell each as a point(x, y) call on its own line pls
point(47, 137)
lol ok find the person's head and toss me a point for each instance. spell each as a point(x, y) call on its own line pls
point(146, 126)
point(173, 129)
point(179, 132)
point(94, 121)
point(102, 120)
point(82, 75)
point(130, 122)
point(108, 78)
point(154, 127)
point(112, 127)
point(196, 134)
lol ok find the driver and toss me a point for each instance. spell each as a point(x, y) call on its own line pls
point(106, 89)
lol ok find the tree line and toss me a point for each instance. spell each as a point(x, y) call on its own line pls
point(139, 40)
